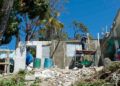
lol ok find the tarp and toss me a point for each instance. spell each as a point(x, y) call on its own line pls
point(29, 58)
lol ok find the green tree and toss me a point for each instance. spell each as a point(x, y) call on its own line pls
point(54, 27)
point(1, 13)
point(52, 30)
point(6, 7)
point(33, 8)
point(78, 36)
point(47, 11)
point(63, 36)
point(79, 28)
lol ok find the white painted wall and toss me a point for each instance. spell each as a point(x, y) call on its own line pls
point(71, 48)
point(46, 51)
point(20, 58)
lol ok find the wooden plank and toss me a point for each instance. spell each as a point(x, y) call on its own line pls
point(3, 63)
point(87, 52)
point(7, 61)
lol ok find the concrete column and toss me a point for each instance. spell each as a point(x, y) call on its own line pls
point(20, 58)
point(39, 53)
point(98, 50)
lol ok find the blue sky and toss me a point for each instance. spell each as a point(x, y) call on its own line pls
point(95, 14)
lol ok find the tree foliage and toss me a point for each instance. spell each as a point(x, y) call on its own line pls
point(78, 36)
point(11, 30)
point(47, 11)
point(1, 14)
point(5, 13)
point(79, 28)
point(53, 28)
point(1, 2)
point(33, 7)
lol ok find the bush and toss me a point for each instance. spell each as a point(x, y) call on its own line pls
point(15, 80)
point(6, 82)
point(22, 72)
point(114, 66)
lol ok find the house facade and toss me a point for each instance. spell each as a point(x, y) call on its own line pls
point(111, 42)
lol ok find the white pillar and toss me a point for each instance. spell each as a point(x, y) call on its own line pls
point(98, 39)
point(98, 53)
point(39, 53)
point(88, 44)
point(20, 58)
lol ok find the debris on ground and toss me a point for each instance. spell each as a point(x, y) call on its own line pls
point(64, 77)
point(109, 76)
point(92, 76)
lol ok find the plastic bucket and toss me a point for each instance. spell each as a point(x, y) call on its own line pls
point(48, 63)
point(37, 63)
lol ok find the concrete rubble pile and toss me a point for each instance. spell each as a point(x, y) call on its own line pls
point(64, 77)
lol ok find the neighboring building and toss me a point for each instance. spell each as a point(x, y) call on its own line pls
point(66, 51)
point(111, 41)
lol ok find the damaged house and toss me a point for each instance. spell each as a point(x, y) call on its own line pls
point(111, 42)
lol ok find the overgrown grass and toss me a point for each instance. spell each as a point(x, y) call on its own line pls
point(91, 83)
point(18, 80)
point(15, 80)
